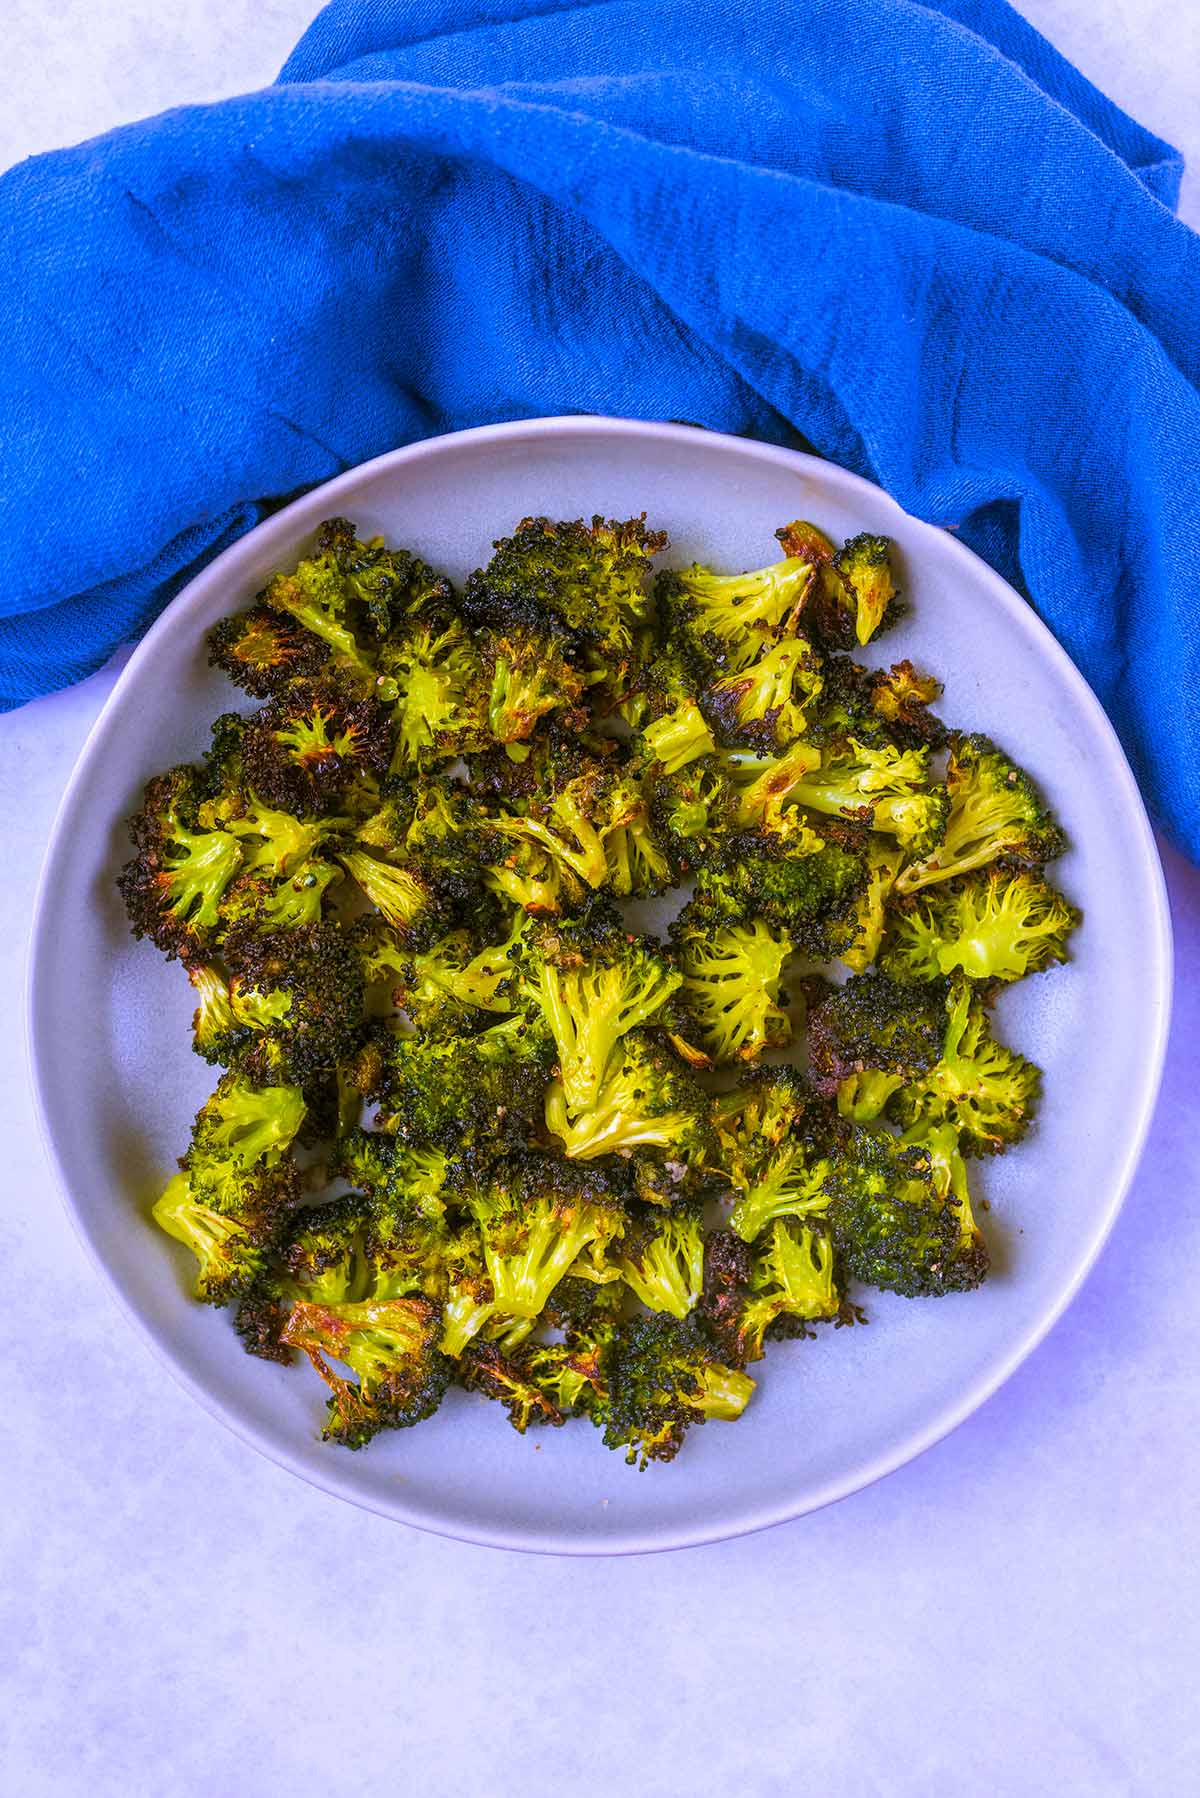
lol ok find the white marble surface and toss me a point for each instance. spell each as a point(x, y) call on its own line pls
point(1016, 1613)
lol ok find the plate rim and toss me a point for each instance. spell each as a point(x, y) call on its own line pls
point(293, 520)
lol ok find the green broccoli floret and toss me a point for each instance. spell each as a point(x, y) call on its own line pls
point(721, 622)
point(890, 1226)
point(390, 1344)
point(384, 586)
point(455, 979)
point(529, 673)
point(948, 1171)
point(767, 702)
point(263, 652)
point(312, 743)
point(868, 1038)
point(676, 732)
point(231, 1242)
point(591, 578)
point(998, 925)
point(883, 787)
point(765, 789)
point(661, 1258)
point(174, 885)
point(402, 1182)
point(692, 813)
point(810, 897)
point(240, 1127)
point(995, 813)
point(536, 1216)
point(300, 992)
point(405, 897)
point(766, 1106)
point(989, 1093)
point(432, 673)
point(591, 984)
point(222, 1024)
point(792, 1283)
point(868, 906)
point(646, 1099)
point(731, 984)
point(485, 1368)
point(454, 1092)
point(664, 1376)
point(316, 596)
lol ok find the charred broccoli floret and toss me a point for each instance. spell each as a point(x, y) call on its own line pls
point(664, 1376)
point(722, 622)
point(995, 813)
point(536, 1216)
point(591, 986)
point(997, 925)
point(174, 886)
point(731, 983)
point(791, 1283)
point(989, 1093)
point(528, 674)
point(593, 578)
point(661, 1258)
point(390, 1344)
point(263, 652)
point(868, 1038)
point(767, 702)
point(453, 1091)
point(311, 743)
point(646, 1099)
point(890, 1225)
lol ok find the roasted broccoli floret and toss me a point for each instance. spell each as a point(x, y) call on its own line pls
point(390, 1344)
point(995, 813)
point(646, 1099)
point(529, 673)
point(431, 671)
point(664, 1376)
point(767, 702)
point(590, 577)
point(456, 979)
point(174, 886)
point(731, 983)
point(591, 985)
point(989, 1093)
point(791, 1284)
point(1001, 924)
point(401, 1181)
point(452, 1091)
point(810, 897)
point(231, 1242)
point(263, 652)
point(890, 1225)
point(317, 597)
point(536, 1216)
point(868, 906)
point(722, 622)
point(676, 732)
point(300, 994)
point(384, 586)
point(868, 1038)
point(661, 1258)
point(312, 743)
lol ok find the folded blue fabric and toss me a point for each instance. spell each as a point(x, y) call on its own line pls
point(910, 236)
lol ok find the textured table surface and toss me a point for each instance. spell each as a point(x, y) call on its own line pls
point(1015, 1613)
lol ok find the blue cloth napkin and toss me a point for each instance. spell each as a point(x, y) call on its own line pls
point(908, 235)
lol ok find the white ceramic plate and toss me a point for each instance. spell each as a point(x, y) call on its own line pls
point(829, 1416)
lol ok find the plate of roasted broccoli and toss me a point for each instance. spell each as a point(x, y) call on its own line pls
point(595, 933)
